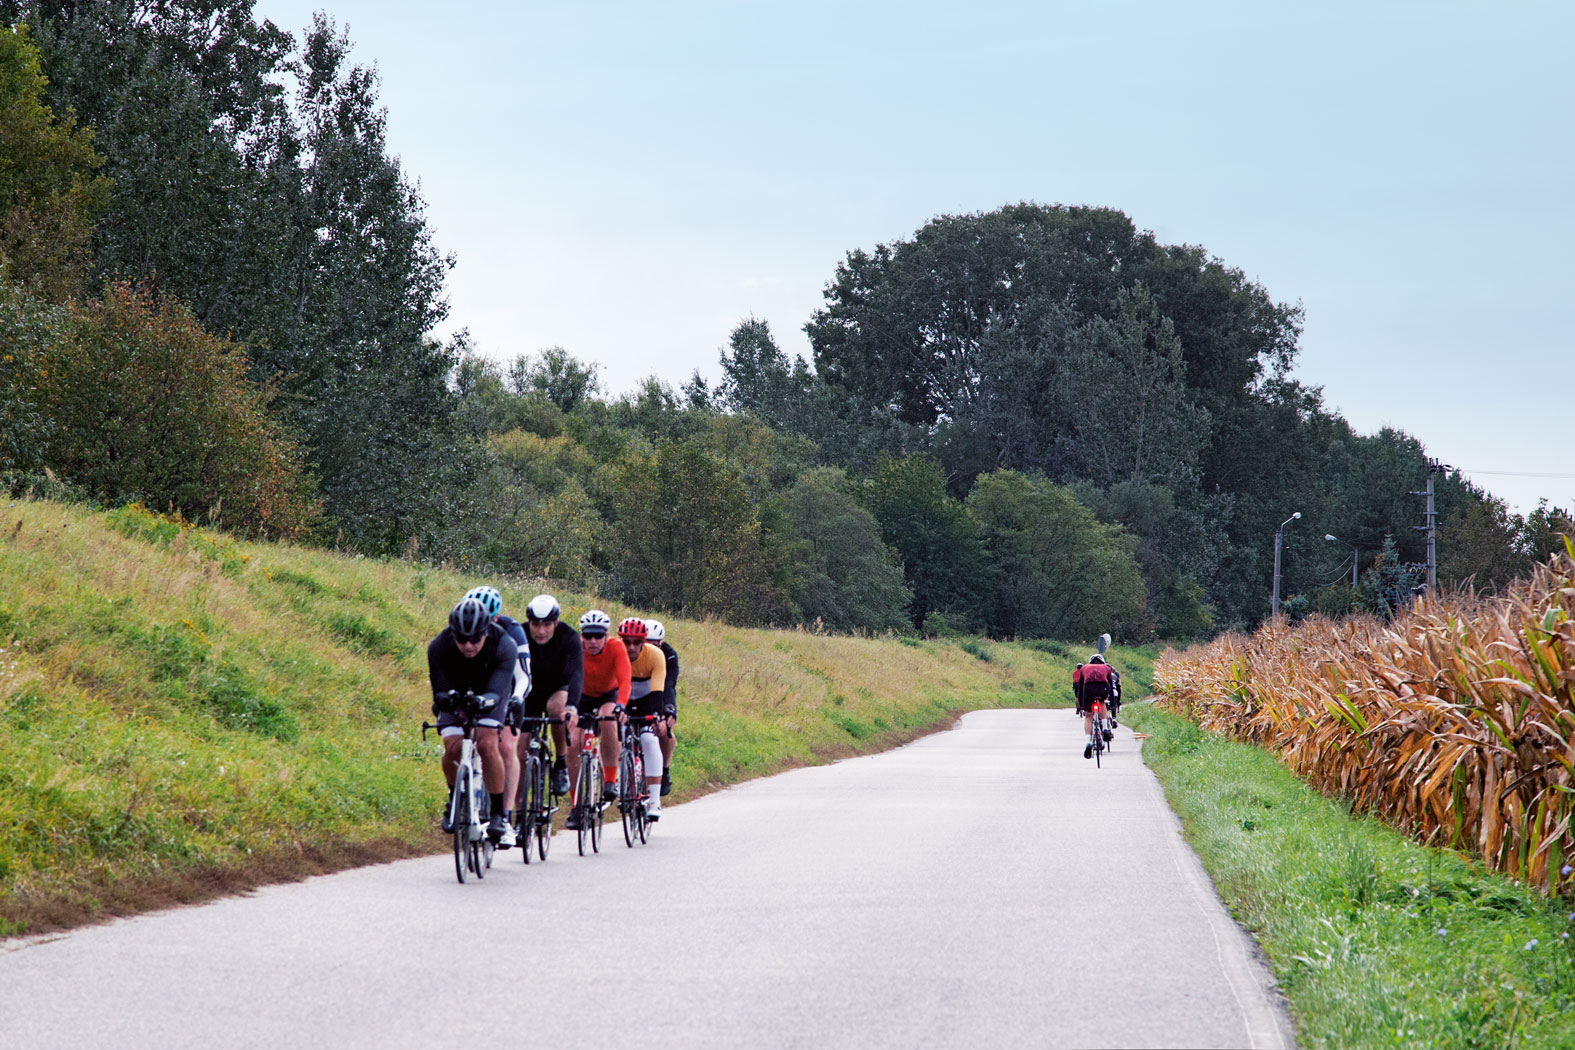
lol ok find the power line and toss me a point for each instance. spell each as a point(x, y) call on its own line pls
point(1515, 473)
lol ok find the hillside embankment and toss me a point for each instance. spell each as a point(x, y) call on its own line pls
point(183, 714)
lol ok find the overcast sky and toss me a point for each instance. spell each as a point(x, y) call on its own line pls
point(629, 180)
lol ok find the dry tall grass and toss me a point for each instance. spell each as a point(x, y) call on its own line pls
point(1455, 722)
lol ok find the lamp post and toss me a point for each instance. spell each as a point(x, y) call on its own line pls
point(1354, 558)
point(1279, 541)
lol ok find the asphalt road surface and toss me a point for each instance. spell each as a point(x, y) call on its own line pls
point(983, 887)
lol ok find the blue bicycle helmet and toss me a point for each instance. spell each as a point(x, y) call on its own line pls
point(489, 598)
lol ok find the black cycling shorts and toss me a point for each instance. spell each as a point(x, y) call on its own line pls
point(590, 705)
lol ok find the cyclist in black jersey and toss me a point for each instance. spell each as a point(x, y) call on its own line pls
point(657, 635)
point(474, 655)
point(492, 602)
point(558, 674)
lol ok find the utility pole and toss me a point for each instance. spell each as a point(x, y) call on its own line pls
point(1431, 528)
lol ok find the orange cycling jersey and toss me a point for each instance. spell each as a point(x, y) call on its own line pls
point(607, 670)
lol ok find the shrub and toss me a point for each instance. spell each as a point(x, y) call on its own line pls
point(147, 405)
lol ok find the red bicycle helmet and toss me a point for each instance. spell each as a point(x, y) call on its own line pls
point(633, 629)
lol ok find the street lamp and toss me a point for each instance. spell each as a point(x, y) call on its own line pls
point(1354, 558)
point(1279, 541)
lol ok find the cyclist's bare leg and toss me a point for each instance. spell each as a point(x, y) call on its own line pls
point(492, 768)
point(510, 749)
point(560, 735)
point(664, 732)
point(451, 746)
point(609, 734)
point(571, 725)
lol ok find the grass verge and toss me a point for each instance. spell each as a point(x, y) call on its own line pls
point(1376, 941)
point(183, 714)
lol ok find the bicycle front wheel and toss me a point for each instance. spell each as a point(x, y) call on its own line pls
point(597, 811)
point(459, 809)
point(627, 799)
point(528, 804)
point(582, 800)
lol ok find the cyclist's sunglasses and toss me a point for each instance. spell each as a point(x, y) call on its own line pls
point(534, 619)
point(593, 634)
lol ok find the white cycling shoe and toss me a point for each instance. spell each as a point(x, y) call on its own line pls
point(508, 838)
point(653, 808)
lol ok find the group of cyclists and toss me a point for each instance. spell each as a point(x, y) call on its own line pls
point(546, 669)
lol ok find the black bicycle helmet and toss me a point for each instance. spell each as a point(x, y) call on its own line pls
point(469, 620)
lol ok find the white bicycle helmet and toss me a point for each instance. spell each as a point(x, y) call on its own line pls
point(655, 632)
point(489, 598)
point(1096, 659)
point(595, 622)
point(542, 607)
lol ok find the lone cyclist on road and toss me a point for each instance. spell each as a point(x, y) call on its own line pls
point(1091, 682)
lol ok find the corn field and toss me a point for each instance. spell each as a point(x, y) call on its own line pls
point(1454, 722)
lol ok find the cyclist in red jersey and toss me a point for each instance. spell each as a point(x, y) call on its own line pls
point(1091, 682)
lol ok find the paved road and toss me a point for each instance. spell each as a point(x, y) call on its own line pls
point(939, 895)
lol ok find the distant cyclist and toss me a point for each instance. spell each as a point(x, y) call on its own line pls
point(492, 601)
point(474, 655)
point(657, 636)
point(1091, 682)
point(606, 685)
point(647, 687)
point(557, 675)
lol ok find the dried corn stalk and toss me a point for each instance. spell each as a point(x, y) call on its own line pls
point(1455, 722)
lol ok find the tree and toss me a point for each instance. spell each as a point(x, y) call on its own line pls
point(49, 189)
point(687, 539)
point(841, 573)
point(931, 533)
point(1053, 570)
point(280, 219)
point(557, 375)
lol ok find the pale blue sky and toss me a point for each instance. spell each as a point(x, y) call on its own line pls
point(629, 180)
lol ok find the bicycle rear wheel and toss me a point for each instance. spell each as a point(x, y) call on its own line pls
point(459, 807)
point(481, 845)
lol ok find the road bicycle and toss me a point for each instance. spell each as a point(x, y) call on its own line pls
point(588, 803)
point(633, 795)
point(537, 804)
point(1101, 741)
point(469, 806)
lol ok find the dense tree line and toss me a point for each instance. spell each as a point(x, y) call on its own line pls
point(219, 293)
point(1151, 380)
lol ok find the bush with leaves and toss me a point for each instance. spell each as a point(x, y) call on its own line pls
point(146, 405)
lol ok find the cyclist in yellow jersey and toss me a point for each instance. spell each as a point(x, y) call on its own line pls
point(647, 685)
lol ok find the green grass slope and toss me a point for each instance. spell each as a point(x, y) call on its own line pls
point(183, 714)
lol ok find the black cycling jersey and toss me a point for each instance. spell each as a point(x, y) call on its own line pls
point(490, 674)
point(670, 692)
point(560, 664)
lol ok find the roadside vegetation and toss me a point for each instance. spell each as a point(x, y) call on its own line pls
point(1455, 721)
point(1375, 939)
point(183, 713)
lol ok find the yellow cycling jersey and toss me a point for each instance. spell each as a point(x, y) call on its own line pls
point(647, 672)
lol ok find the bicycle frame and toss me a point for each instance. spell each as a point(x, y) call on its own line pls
point(472, 849)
